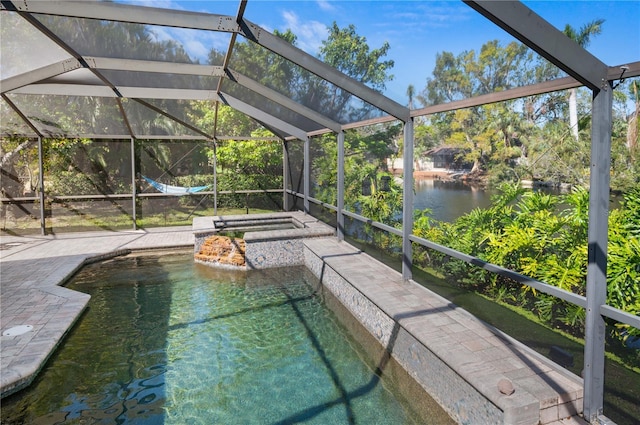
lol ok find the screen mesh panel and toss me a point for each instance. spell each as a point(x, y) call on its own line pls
point(59, 116)
point(24, 48)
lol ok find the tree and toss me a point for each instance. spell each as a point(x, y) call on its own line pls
point(470, 74)
point(583, 38)
point(496, 68)
point(489, 134)
point(425, 137)
point(235, 156)
point(411, 93)
point(524, 137)
point(449, 81)
point(633, 132)
point(349, 53)
point(346, 51)
point(227, 121)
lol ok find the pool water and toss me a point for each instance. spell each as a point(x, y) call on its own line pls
point(168, 341)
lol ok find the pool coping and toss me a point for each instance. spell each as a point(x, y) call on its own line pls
point(305, 226)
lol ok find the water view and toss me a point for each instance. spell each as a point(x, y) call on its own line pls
point(448, 200)
point(168, 341)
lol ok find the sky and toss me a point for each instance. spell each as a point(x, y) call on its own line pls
point(415, 30)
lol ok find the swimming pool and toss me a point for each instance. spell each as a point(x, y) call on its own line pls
point(165, 340)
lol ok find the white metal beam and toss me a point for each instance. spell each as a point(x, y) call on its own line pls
point(164, 93)
point(182, 19)
point(172, 117)
point(22, 116)
point(126, 13)
point(66, 90)
point(39, 74)
point(154, 66)
point(407, 200)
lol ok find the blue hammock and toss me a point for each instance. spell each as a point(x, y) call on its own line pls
point(174, 190)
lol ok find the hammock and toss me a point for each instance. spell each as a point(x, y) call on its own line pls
point(174, 190)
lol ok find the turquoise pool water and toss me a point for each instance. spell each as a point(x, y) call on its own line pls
point(168, 341)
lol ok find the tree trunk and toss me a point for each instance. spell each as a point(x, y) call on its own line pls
point(476, 166)
point(573, 112)
point(7, 157)
point(633, 127)
point(632, 135)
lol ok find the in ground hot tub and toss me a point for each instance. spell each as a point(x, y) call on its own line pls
point(255, 241)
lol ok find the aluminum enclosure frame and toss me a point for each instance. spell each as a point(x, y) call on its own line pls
point(514, 17)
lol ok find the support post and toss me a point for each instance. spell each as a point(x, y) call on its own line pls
point(407, 200)
point(215, 178)
point(340, 184)
point(134, 188)
point(307, 174)
point(43, 223)
point(286, 181)
point(595, 329)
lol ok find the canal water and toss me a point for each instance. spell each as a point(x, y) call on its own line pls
point(448, 200)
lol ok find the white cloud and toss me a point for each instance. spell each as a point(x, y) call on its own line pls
point(197, 50)
point(200, 46)
point(310, 33)
point(325, 5)
point(196, 43)
point(444, 14)
point(163, 4)
point(162, 33)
